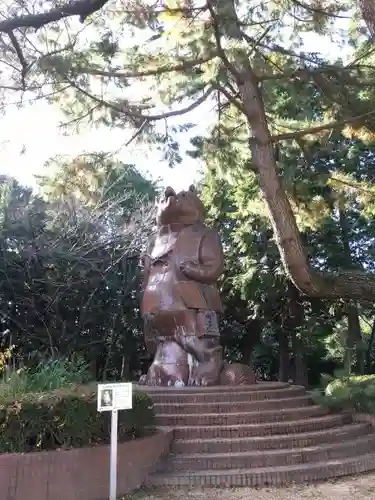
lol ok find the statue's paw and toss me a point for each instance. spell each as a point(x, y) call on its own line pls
point(142, 380)
point(187, 266)
point(199, 381)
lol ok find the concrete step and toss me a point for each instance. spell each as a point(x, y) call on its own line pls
point(270, 458)
point(234, 407)
point(266, 476)
point(287, 441)
point(259, 386)
point(215, 419)
point(167, 395)
point(260, 429)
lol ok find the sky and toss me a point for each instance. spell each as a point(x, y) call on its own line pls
point(29, 136)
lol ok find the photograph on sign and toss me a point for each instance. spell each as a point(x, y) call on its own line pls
point(105, 397)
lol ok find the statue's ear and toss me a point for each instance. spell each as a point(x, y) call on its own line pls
point(192, 189)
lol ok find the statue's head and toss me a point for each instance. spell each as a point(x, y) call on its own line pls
point(184, 207)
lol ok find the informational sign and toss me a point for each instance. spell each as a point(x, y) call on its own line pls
point(114, 398)
point(117, 396)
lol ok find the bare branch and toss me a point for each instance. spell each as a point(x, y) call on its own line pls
point(231, 98)
point(136, 133)
point(21, 57)
point(81, 8)
point(80, 117)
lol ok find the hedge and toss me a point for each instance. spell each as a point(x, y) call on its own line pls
point(356, 393)
point(65, 419)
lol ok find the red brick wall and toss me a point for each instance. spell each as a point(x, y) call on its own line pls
point(79, 474)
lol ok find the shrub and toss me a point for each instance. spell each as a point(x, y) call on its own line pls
point(356, 393)
point(67, 418)
point(44, 377)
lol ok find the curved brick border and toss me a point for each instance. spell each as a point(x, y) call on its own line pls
point(82, 473)
point(364, 418)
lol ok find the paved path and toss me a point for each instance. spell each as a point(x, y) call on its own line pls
point(356, 488)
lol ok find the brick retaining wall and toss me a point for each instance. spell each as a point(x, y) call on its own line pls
point(79, 474)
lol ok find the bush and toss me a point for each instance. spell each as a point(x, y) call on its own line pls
point(355, 393)
point(67, 418)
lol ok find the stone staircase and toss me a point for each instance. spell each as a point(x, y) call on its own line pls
point(268, 434)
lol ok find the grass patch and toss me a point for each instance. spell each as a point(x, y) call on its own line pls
point(43, 377)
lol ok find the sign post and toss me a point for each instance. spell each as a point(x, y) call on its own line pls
point(113, 398)
point(113, 456)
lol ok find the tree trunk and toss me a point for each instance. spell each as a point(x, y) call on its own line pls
point(343, 284)
point(369, 349)
point(284, 360)
point(300, 368)
point(367, 8)
point(354, 335)
point(354, 338)
point(250, 340)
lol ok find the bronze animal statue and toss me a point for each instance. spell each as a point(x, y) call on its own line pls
point(181, 301)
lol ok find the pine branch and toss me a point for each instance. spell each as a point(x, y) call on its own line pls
point(301, 72)
point(317, 10)
point(183, 66)
point(81, 8)
point(141, 116)
point(319, 128)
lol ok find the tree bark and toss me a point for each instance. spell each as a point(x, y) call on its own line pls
point(284, 360)
point(300, 368)
point(353, 339)
point(369, 349)
point(343, 284)
point(367, 8)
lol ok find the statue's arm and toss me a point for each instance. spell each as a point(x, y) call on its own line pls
point(211, 257)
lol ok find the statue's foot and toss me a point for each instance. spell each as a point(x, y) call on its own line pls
point(159, 375)
point(206, 373)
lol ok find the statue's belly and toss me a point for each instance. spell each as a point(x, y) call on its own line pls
point(160, 293)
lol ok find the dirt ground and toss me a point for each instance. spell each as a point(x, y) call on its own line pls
point(354, 488)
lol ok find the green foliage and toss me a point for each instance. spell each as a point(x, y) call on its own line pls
point(70, 271)
point(67, 418)
point(356, 393)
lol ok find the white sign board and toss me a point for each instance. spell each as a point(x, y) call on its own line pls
point(113, 398)
point(117, 396)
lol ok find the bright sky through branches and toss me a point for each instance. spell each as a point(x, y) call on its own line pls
point(31, 135)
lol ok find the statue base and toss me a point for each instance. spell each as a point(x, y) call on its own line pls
point(231, 374)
